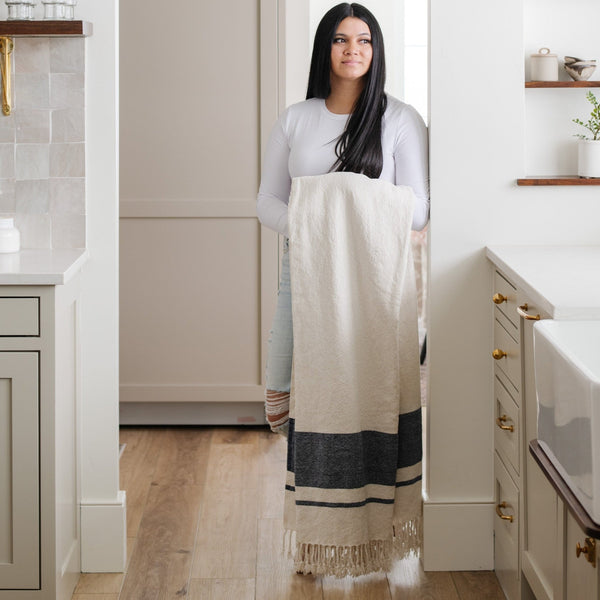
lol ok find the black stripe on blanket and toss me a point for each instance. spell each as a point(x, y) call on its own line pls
point(292, 488)
point(345, 504)
point(353, 460)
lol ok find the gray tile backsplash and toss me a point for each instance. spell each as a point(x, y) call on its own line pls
point(42, 144)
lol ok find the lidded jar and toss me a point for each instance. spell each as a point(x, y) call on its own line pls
point(544, 66)
point(10, 238)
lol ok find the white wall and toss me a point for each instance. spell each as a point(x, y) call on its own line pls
point(103, 508)
point(482, 139)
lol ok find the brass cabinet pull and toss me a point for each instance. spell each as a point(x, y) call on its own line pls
point(499, 298)
point(498, 354)
point(522, 312)
point(589, 550)
point(499, 508)
point(503, 419)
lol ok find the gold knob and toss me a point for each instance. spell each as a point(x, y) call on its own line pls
point(499, 508)
point(498, 354)
point(503, 419)
point(499, 298)
point(589, 550)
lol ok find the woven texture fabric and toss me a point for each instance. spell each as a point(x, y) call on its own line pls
point(353, 487)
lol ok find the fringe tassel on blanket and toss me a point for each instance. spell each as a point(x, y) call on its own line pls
point(340, 561)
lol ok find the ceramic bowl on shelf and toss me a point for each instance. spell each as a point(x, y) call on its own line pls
point(578, 68)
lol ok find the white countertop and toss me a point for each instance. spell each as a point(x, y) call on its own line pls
point(563, 280)
point(41, 267)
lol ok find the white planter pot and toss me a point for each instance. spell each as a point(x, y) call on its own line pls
point(589, 158)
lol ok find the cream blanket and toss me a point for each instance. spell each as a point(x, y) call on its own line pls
point(353, 488)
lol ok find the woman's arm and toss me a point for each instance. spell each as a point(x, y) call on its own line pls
point(275, 183)
point(411, 157)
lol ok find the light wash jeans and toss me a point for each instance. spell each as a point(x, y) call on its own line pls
point(281, 341)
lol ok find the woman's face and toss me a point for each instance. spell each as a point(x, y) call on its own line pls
point(351, 50)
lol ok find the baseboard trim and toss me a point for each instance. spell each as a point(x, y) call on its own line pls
point(458, 537)
point(104, 536)
point(192, 413)
point(161, 393)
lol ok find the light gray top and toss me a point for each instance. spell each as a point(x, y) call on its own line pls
point(303, 143)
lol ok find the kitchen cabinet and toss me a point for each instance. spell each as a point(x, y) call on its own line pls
point(522, 492)
point(19, 438)
point(508, 439)
point(537, 559)
point(581, 567)
point(540, 560)
point(39, 468)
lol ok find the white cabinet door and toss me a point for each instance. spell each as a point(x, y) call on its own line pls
point(541, 557)
point(19, 471)
point(198, 273)
point(582, 576)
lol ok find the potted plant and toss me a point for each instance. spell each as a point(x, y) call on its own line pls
point(589, 145)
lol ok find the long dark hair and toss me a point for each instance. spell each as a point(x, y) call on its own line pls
point(359, 147)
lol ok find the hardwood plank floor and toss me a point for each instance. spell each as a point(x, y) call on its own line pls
point(204, 522)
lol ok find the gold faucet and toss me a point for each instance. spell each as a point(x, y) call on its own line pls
point(6, 48)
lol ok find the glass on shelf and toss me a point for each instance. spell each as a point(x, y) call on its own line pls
point(54, 10)
point(70, 9)
point(20, 10)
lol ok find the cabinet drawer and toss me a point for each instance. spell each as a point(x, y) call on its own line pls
point(506, 417)
point(505, 298)
point(508, 353)
point(506, 532)
point(19, 316)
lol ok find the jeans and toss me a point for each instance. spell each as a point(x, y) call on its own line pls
point(281, 341)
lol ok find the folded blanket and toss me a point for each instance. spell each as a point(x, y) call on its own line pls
point(353, 488)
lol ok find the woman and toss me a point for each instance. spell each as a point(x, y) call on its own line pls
point(346, 123)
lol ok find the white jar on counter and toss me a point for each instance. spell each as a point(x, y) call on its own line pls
point(10, 238)
point(544, 66)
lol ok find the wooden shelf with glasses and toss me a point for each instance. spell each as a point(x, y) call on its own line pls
point(562, 84)
point(45, 28)
point(547, 180)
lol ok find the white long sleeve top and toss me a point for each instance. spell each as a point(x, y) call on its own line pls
point(303, 143)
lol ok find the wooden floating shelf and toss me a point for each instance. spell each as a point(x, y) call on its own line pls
point(45, 28)
point(564, 491)
point(562, 84)
point(574, 180)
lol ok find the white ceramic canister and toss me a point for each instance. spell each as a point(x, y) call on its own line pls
point(544, 66)
point(588, 164)
point(10, 238)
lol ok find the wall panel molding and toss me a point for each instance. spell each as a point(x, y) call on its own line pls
point(132, 208)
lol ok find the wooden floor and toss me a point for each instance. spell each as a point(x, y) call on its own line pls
point(204, 521)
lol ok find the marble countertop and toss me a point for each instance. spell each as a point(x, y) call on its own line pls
point(563, 280)
point(41, 267)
